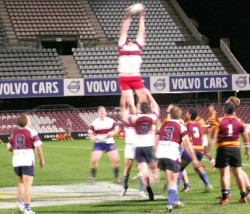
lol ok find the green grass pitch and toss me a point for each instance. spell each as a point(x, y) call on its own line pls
point(68, 163)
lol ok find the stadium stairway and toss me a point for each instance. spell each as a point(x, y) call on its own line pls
point(9, 31)
point(94, 21)
point(70, 66)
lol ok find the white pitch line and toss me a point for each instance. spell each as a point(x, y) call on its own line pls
point(74, 147)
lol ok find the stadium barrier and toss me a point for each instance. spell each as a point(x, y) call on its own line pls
point(110, 86)
point(51, 136)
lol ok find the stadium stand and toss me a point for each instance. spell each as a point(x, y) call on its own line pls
point(43, 122)
point(54, 121)
point(32, 18)
point(23, 63)
point(164, 53)
point(2, 33)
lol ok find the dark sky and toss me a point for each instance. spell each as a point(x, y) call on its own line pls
point(223, 18)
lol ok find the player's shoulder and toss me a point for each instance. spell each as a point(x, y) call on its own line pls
point(32, 131)
point(109, 119)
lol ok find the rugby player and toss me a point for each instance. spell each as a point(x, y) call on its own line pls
point(236, 101)
point(101, 132)
point(168, 140)
point(212, 116)
point(195, 132)
point(129, 155)
point(68, 130)
point(227, 130)
point(23, 143)
point(130, 59)
point(144, 125)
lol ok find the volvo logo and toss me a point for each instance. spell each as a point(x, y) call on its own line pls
point(160, 84)
point(241, 82)
point(74, 86)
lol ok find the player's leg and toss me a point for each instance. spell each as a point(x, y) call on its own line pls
point(127, 101)
point(126, 174)
point(225, 184)
point(246, 181)
point(94, 160)
point(185, 160)
point(144, 174)
point(114, 157)
point(237, 172)
point(27, 182)
point(141, 95)
point(20, 194)
point(202, 173)
point(173, 198)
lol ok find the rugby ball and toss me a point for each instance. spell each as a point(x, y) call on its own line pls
point(135, 8)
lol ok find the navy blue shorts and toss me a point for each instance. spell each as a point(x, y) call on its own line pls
point(169, 164)
point(24, 170)
point(144, 154)
point(187, 158)
point(104, 147)
point(228, 157)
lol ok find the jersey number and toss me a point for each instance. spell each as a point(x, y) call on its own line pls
point(168, 133)
point(196, 132)
point(144, 128)
point(230, 130)
point(20, 141)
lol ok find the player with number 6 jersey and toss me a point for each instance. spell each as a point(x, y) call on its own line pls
point(227, 131)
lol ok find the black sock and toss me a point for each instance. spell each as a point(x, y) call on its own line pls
point(93, 172)
point(243, 194)
point(225, 192)
point(116, 172)
point(125, 182)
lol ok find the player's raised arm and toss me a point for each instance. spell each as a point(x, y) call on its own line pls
point(142, 29)
point(124, 29)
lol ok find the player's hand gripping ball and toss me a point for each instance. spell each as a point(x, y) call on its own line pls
point(135, 8)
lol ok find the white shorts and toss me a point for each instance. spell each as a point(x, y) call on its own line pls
point(205, 141)
point(129, 151)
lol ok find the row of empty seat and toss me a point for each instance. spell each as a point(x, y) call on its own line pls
point(33, 63)
point(54, 121)
point(32, 18)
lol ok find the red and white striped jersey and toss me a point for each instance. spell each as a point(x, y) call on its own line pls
point(102, 127)
point(130, 57)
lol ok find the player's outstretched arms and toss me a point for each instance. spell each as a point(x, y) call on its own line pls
point(124, 29)
point(141, 36)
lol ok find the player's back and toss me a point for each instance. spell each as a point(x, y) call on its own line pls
point(230, 127)
point(171, 131)
point(23, 139)
point(170, 139)
point(144, 123)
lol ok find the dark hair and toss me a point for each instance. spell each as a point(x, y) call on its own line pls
point(193, 113)
point(229, 108)
point(22, 120)
point(145, 108)
point(175, 112)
